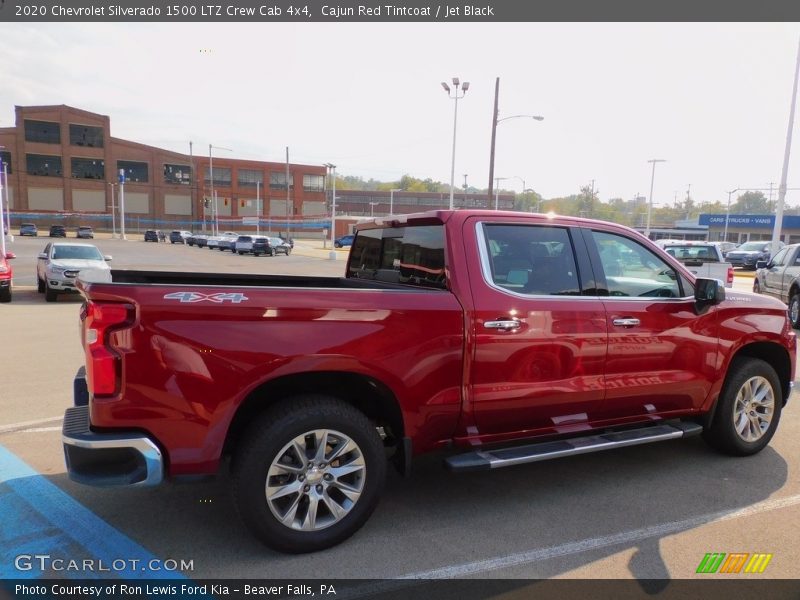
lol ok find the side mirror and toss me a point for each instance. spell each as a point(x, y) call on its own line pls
point(43, 255)
point(10, 255)
point(763, 264)
point(107, 257)
point(708, 292)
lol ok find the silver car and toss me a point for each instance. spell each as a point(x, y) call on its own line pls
point(57, 267)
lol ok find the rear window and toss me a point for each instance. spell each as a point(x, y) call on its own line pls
point(405, 255)
point(690, 252)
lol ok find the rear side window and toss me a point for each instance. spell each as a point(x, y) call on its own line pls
point(532, 259)
point(405, 255)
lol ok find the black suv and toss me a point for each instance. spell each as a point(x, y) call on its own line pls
point(151, 235)
point(28, 229)
point(57, 231)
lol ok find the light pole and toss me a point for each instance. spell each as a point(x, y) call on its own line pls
point(391, 199)
point(455, 96)
point(728, 214)
point(497, 191)
point(214, 207)
point(332, 168)
point(650, 202)
point(113, 212)
point(122, 204)
point(372, 206)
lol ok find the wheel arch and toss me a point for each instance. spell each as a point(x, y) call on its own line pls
point(776, 356)
point(367, 394)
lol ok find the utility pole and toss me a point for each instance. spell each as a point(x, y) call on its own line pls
point(495, 114)
point(650, 202)
point(288, 197)
point(122, 204)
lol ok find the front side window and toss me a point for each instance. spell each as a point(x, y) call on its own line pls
point(43, 165)
point(405, 255)
point(88, 168)
point(632, 270)
point(85, 135)
point(532, 259)
point(135, 172)
point(780, 258)
point(44, 132)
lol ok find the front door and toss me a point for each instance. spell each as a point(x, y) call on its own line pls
point(538, 339)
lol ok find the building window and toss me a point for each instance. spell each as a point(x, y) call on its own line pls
point(250, 177)
point(85, 135)
point(179, 174)
point(88, 168)
point(5, 159)
point(222, 176)
point(277, 180)
point(313, 183)
point(44, 165)
point(135, 172)
point(45, 132)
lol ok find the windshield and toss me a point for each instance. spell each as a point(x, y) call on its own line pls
point(751, 246)
point(79, 252)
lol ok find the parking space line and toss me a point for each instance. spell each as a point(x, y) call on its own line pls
point(589, 544)
point(25, 424)
point(46, 511)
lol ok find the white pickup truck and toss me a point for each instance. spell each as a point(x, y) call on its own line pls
point(704, 259)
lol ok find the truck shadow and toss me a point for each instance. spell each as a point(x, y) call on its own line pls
point(435, 519)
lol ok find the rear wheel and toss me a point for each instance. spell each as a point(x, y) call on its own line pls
point(40, 285)
point(794, 309)
point(756, 287)
point(748, 409)
point(308, 474)
point(5, 294)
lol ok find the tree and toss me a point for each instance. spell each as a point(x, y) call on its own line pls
point(752, 203)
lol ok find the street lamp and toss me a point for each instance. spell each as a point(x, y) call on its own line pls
point(215, 208)
point(332, 169)
point(456, 97)
point(113, 212)
point(650, 202)
point(391, 199)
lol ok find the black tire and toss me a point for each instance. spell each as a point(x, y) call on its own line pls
point(337, 245)
point(756, 287)
point(268, 440)
point(723, 434)
point(241, 252)
point(50, 295)
point(794, 309)
point(5, 294)
point(39, 286)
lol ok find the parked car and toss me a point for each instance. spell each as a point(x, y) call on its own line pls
point(151, 235)
point(6, 274)
point(704, 259)
point(227, 241)
point(200, 240)
point(780, 278)
point(29, 229)
point(57, 231)
point(85, 232)
point(179, 237)
point(245, 243)
point(345, 240)
point(749, 253)
point(280, 246)
point(58, 265)
point(466, 330)
point(212, 242)
point(726, 247)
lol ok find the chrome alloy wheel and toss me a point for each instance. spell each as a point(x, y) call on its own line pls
point(794, 309)
point(315, 480)
point(754, 408)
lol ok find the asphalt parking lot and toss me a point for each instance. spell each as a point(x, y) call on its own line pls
point(649, 512)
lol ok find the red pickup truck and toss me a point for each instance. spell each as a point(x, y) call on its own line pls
point(502, 338)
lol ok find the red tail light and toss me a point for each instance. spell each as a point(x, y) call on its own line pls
point(730, 275)
point(103, 363)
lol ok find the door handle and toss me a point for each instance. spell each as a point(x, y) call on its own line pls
point(626, 322)
point(505, 325)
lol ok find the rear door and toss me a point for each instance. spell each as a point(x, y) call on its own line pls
point(538, 333)
point(662, 355)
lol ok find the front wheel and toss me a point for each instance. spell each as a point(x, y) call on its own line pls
point(50, 295)
point(40, 285)
point(756, 287)
point(5, 294)
point(794, 309)
point(748, 409)
point(308, 474)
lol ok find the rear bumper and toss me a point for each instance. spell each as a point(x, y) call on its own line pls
point(106, 459)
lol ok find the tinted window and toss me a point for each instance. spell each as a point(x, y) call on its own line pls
point(77, 252)
point(633, 270)
point(780, 257)
point(46, 132)
point(406, 255)
point(88, 168)
point(692, 253)
point(44, 165)
point(134, 171)
point(532, 259)
point(85, 135)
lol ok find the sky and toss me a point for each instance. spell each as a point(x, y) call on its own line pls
point(711, 99)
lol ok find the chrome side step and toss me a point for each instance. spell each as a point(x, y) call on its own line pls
point(517, 455)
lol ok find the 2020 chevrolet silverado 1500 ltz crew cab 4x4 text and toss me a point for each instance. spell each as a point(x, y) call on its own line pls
point(504, 337)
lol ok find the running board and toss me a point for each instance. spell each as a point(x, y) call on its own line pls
point(517, 455)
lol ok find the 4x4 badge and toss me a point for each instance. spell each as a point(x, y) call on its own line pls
point(198, 297)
